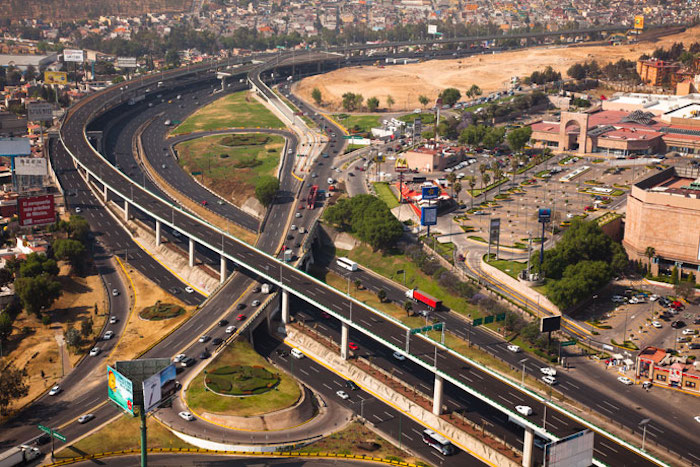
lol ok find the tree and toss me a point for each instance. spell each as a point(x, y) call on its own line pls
point(685, 289)
point(36, 264)
point(70, 250)
point(172, 58)
point(494, 137)
point(650, 252)
point(408, 307)
point(381, 295)
point(6, 322)
point(316, 96)
point(358, 284)
point(389, 101)
point(13, 386)
point(372, 104)
point(352, 101)
point(86, 327)
point(423, 100)
point(266, 188)
point(37, 292)
point(485, 179)
point(457, 187)
point(6, 276)
point(72, 337)
point(450, 96)
point(472, 183)
point(473, 91)
point(367, 217)
point(519, 137)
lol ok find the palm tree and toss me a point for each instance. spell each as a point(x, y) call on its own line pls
point(497, 175)
point(408, 306)
point(452, 177)
point(457, 187)
point(485, 179)
point(650, 252)
point(514, 166)
point(472, 183)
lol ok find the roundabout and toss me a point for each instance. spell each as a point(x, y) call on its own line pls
point(240, 381)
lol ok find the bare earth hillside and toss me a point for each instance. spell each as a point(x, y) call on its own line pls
point(491, 72)
point(75, 9)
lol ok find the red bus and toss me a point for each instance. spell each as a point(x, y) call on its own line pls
point(311, 199)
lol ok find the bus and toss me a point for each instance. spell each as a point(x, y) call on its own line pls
point(347, 264)
point(438, 442)
point(311, 199)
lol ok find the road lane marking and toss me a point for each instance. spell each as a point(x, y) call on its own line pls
point(613, 406)
point(609, 447)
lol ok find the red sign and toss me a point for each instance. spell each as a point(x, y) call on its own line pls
point(36, 210)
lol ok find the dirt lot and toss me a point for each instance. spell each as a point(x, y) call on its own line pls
point(491, 72)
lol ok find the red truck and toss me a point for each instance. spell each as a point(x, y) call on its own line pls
point(423, 297)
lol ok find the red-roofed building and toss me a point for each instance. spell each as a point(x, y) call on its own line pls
point(433, 157)
point(666, 370)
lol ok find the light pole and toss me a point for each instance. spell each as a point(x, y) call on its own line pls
point(644, 424)
point(522, 380)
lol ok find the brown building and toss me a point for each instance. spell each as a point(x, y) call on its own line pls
point(433, 157)
point(654, 71)
point(663, 212)
point(666, 370)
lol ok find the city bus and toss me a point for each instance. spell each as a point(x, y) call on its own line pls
point(438, 442)
point(347, 264)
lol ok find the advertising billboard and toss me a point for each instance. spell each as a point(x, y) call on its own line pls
point(550, 324)
point(39, 112)
point(55, 77)
point(573, 451)
point(432, 29)
point(430, 192)
point(639, 22)
point(36, 210)
point(30, 166)
point(428, 215)
point(73, 55)
point(494, 230)
point(126, 62)
point(158, 387)
point(15, 147)
point(120, 390)
point(544, 215)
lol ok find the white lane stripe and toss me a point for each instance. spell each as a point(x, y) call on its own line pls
point(609, 447)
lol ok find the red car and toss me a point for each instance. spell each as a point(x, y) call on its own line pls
point(353, 346)
point(240, 317)
point(204, 203)
point(325, 315)
point(301, 206)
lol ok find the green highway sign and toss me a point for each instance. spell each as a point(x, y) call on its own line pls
point(568, 343)
point(59, 436)
point(501, 317)
point(53, 433)
point(488, 319)
point(196, 173)
point(434, 327)
point(45, 429)
point(478, 322)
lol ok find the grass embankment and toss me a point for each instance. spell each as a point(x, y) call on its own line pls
point(230, 165)
point(237, 110)
point(512, 268)
point(160, 311)
point(426, 118)
point(358, 123)
point(385, 194)
point(241, 380)
point(285, 394)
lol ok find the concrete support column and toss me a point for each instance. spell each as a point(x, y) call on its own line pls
point(222, 269)
point(528, 444)
point(437, 395)
point(191, 253)
point(126, 210)
point(285, 307)
point(105, 193)
point(344, 341)
point(158, 226)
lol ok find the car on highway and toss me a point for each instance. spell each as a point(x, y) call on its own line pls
point(204, 339)
point(292, 227)
point(625, 380)
point(174, 290)
point(230, 329)
point(115, 292)
point(188, 362)
point(55, 389)
point(223, 322)
point(657, 324)
point(179, 357)
point(342, 394)
point(189, 289)
point(204, 202)
point(524, 409)
point(205, 354)
point(325, 315)
point(113, 320)
point(697, 418)
point(86, 418)
point(548, 370)
point(240, 317)
point(350, 384)
point(240, 306)
point(216, 341)
point(297, 215)
point(95, 351)
point(108, 335)
point(186, 416)
point(353, 346)
point(514, 348)
point(399, 356)
point(255, 303)
point(551, 380)
point(176, 233)
point(78, 210)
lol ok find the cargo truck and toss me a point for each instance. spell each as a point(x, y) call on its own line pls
point(19, 455)
point(422, 297)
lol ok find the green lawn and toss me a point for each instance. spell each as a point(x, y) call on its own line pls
point(385, 194)
point(237, 110)
point(512, 268)
point(247, 157)
point(353, 147)
point(426, 118)
point(285, 394)
point(364, 123)
point(161, 311)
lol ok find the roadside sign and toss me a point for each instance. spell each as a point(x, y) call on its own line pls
point(501, 317)
point(59, 436)
point(568, 343)
point(45, 429)
point(51, 432)
point(40, 112)
point(196, 173)
point(478, 322)
point(488, 319)
point(434, 327)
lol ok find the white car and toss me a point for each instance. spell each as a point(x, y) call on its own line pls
point(625, 380)
point(95, 351)
point(78, 210)
point(551, 380)
point(697, 419)
point(179, 357)
point(689, 332)
point(204, 339)
point(548, 370)
point(108, 335)
point(524, 409)
point(186, 416)
point(230, 329)
point(342, 394)
point(255, 303)
point(514, 348)
point(653, 298)
point(399, 356)
point(189, 289)
point(113, 320)
point(86, 418)
point(115, 292)
point(293, 227)
point(618, 299)
point(55, 390)
point(656, 324)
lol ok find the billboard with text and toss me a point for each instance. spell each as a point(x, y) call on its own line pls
point(73, 55)
point(55, 77)
point(120, 389)
point(30, 166)
point(159, 387)
point(36, 210)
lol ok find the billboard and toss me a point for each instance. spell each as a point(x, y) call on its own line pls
point(639, 22)
point(126, 62)
point(428, 215)
point(55, 77)
point(550, 323)
point(430, 192)
point(15, 147)
point(494, 230)
point(572, 451)
point(401, 165)
point(432, 29)
point(36, 210)
point(40, 112)
point(120, 390)
point(158, 387)
point(30, 166)
point(544, 215)
point(73, 55)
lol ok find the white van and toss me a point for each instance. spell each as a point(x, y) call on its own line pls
point(296, 353)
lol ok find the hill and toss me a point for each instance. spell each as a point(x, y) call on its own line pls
point(73, 10)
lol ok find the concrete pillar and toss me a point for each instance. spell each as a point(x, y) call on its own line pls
point(191, 253)
point(222, 269)
point(528, 444)
point(126, 210)
point(285, 307)
point(158, 226)
point(437, 395)
point(344, 341)
point(105, 193)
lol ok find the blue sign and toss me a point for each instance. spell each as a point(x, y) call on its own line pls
point(428, 215)
point(430, 192)
point(544, 215)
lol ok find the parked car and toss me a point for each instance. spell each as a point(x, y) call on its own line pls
point(688, 332)
point(625, 380)
point(656, 324)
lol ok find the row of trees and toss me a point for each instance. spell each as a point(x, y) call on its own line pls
point(367, 217)
point(622, 70)
point(543, 77)
point(676, 53)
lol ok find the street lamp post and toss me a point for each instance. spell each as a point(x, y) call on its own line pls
point(644, 424)
point(522, 380)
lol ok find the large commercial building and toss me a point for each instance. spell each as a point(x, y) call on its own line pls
point(433, 157)
point(663, 212)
